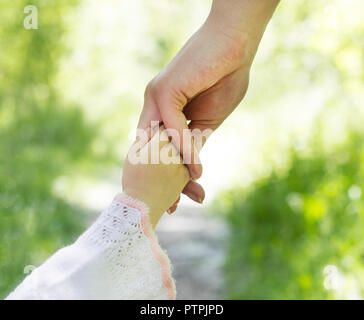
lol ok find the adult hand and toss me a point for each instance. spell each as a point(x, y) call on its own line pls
point(209, 77)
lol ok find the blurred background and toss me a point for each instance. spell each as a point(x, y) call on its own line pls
point(284, 176)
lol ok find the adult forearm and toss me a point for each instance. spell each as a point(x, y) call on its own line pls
point(244, 20)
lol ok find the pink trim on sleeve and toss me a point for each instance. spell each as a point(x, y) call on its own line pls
point(157, 251)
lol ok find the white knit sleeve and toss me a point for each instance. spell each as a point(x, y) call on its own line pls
point(118, 257)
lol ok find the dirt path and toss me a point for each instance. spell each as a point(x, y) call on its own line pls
point(194, 242)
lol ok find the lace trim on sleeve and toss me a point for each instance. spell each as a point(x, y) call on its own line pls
point(156, 249)
point(118, 257)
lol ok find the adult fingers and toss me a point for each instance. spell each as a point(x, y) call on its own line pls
point(175, 122)
point(194, 191)
point(150, 110)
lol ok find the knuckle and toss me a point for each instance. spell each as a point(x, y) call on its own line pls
point(148, 88)
point(155, 88)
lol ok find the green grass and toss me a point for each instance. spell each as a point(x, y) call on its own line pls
point(286, 228)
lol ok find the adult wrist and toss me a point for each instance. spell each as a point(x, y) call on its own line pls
point(243, 21)
point(243, 15)
point(227, 14)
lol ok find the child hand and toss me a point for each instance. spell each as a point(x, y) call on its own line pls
point(160, 184)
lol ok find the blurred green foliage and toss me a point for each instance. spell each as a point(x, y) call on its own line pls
point(58, 85)
point(296, 233)
point(40, 139)
point(286, 228)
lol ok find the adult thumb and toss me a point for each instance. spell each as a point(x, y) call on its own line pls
point(171, 106)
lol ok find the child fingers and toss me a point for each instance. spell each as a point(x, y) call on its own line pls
point(144, 135)
point(159, 149)
point(173, 208)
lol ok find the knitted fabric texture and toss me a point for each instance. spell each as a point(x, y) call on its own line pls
point(118, 257)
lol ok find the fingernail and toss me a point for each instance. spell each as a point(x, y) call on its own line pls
point(195, 197)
